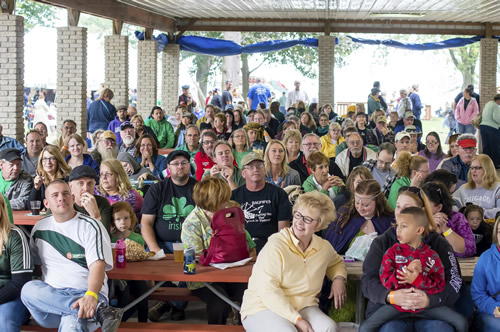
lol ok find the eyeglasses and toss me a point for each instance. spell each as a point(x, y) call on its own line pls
point(180, 164)
point(255, 167)
point(208, 142)
point(475, 168)
point(309, 145)
point(385, 164)
point(106, 175)
point(307, 220)
point(51, 159)
point(415, 190)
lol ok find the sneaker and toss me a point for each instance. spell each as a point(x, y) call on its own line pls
point(177, 314)
point(158, 310)
point(109, 318)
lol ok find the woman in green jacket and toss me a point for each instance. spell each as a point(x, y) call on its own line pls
point(161, 127)
point(320, 179)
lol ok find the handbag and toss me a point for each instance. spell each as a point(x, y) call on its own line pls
point(229, 242)
point(476, 121)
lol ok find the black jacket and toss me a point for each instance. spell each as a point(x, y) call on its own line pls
point(377, 293)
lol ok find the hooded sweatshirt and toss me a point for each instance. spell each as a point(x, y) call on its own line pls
point(285, 279)
point(486, 281)
point(138, 169)
point(163, 131)
point(377, 293)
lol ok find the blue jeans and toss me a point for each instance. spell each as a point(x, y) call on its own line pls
point(13, 314)
point(168, 248)
point(401, 325)
point(51, 307)
point(487, 323)
point(465, 129)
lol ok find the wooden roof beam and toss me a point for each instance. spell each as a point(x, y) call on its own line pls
point(114, 10)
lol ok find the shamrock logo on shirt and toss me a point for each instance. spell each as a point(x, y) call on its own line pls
point(177, 210)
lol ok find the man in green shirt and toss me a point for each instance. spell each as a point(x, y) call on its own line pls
point(224, 167)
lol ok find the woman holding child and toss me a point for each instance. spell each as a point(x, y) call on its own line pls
point(413, 298)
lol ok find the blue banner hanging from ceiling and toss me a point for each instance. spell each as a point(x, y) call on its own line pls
point(221, 47)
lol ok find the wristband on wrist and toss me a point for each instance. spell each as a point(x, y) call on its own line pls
point(391, 298)
point(448, 232)
point(94, 295)
point(298, 320)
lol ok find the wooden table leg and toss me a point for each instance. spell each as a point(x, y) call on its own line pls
point(360, 303)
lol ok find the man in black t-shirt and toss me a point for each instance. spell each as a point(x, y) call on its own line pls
point(266, 206)
point(167, 204)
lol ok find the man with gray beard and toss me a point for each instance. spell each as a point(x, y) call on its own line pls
point(106, 147)
point(127, 133)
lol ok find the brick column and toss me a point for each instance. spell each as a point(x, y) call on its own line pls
point(116, 67)
point(170, 77)
point(146, 76)
point(71, 95)
point(488, 69)
point(326, 47)
point(12, 75)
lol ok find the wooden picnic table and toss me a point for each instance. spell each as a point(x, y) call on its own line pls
point(24, 218)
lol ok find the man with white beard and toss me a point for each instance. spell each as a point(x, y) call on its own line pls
point(106, 147)
point(127, 133)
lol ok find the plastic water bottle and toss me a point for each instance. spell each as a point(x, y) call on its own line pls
point(121, 249)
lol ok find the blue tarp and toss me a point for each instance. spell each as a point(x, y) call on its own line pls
point(221, 47)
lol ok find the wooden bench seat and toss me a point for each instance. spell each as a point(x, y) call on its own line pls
point(154, 327)
point(173, 294)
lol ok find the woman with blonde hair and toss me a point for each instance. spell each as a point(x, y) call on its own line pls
point(141, 129)
point(416, 299)
point(115, 185)
point(256, 138)
point(330, 141)
point(282, 290)
point(211, 195)
point(76, 157)
point(51, 166)
point(482, 187)
point(240, 143)
point(412, 170)
point(292, 141)
point(16, 269)
point(276, 163)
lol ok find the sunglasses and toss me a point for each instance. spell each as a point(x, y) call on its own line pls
point(416, 190)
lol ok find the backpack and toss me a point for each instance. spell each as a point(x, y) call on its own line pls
point(229, 242)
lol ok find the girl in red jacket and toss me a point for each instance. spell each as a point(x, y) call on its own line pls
point(410, 263)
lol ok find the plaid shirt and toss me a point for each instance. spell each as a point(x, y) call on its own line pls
point(386, 188)
point(19, 191)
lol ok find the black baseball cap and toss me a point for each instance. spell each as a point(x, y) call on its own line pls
point(10, 154)
point(82, 171)
point(126, 124)
point(176, 153)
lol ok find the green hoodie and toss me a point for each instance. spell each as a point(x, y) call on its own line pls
point(163, 131)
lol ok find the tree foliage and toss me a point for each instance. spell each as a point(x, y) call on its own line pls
point(35, 13)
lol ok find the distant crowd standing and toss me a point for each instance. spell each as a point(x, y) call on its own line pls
point(311, 185)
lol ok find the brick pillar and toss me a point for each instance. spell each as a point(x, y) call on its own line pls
point(71, 95)
point(326, 47)
point(116, 68)
point(488, 69)
point(146, 76)
point(12, 75)
point(170, 77)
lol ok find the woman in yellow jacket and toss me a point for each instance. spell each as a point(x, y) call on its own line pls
point(330, 141)
point(289, 273)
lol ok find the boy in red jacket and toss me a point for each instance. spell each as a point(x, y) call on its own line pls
point(410, 264)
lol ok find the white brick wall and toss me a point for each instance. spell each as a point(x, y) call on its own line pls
point(72, 77)
point(146, 76)
point(488, 69)
point(116, 67)
point(12, 75)
point(170, 77)
point(326, 48)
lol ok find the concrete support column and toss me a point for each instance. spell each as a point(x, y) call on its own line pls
point(488, 69)
point(326, 47)
point(71, 96)
point(116, 68)
point(146, 76)
point(12, 75)
point(170, 77)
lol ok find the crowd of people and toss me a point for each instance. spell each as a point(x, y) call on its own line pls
point(312, 186)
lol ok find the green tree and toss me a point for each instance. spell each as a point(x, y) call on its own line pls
point(36, 13)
